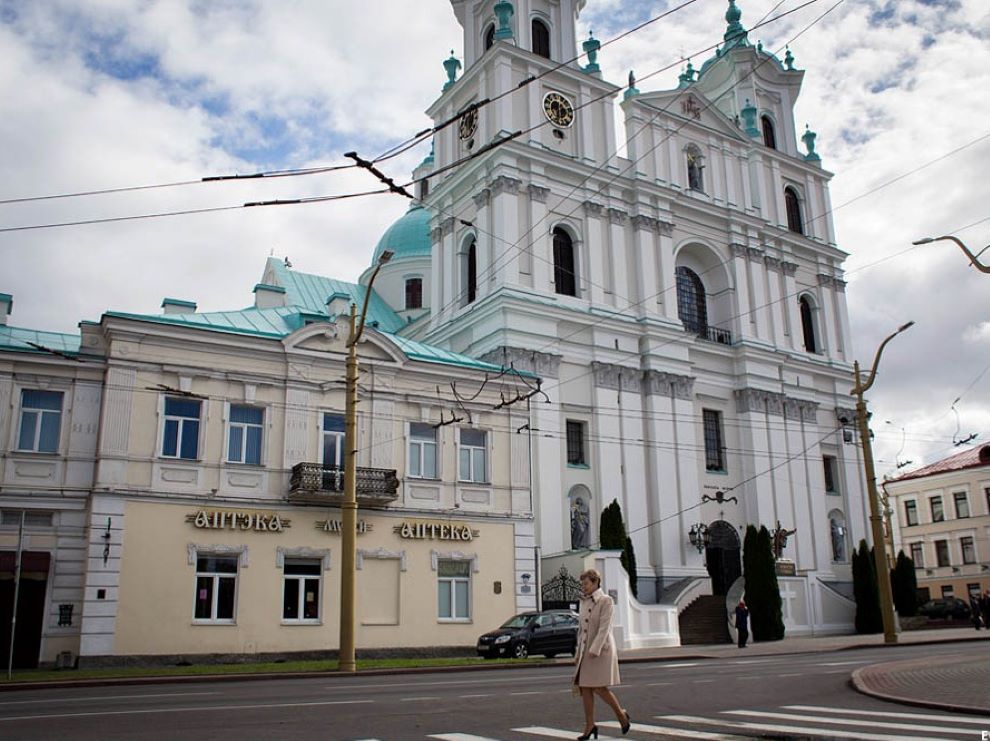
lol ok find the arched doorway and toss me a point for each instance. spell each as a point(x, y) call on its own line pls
point(722, 556)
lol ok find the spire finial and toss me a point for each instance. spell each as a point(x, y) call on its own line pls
point(631, 90)
point(591, 47)
point(789, 59)
point(808, 138)
point(504, 12)
point(687, 76)
point(735, 34)
point(451, 64)
point(749, 120)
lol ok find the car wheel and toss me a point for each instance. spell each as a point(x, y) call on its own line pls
point(520, 650)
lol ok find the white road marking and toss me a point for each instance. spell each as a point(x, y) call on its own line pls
point(552, 732)
point(679, 666)
point(460, 737)
point(676, 732)
point(703, 681)
point(447, 683)
point(420, 699)
point(107, 697)
point(847, 663)
point(829, 721)
point(887, 714)
point(793, 674)
point(808, 730)
point(526, 693)
point(659, 684)
point(485, 694)
point(189, 709)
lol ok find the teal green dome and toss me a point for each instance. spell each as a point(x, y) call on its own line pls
point(407, 237)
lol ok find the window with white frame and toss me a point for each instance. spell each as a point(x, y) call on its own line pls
point(453, 589)
point(41, 421)
point(942, 553)
point(911, 512)
point(333, 440)
point(714, 446)
point(180, 435)
point(422, 450)
point(968, 546)
point(938, 511)
point(301, 589)
point(918, 555)
point(216, 588)
point(245, 435)
point(575, 443)
point(473, 456)
point(962, 504)
point(831, 468)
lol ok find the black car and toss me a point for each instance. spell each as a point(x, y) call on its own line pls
point(550, 632)
point(946, 607)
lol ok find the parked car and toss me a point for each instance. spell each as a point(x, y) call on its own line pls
point(550, 632)
point(946, 607)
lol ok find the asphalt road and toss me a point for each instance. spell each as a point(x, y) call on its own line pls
point(792, 696)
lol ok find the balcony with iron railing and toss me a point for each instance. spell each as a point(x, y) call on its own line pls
point(710, 333)
point(314, 483)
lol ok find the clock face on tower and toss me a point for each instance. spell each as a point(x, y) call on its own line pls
point(468, 124)
point(558, 109)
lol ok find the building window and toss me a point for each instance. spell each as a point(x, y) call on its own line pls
point(180, 437)
point(948, 591)
point(489, 36)
point(454, 590)
point(244, 438)
point(414, 293)
point(301, 589)
point(422, 450)
point(918, 555)
point(575, 443)
point(564, 275)
point(911, 512)
point(942, 552)
point(541, 38)
point(830, 465)
point(808, 324)
point(938, 513)
point(968, 549)
point(473, 455)
point(986, 493)
point(216, 588)
point(793, 207)
point(714, 448)
point(41, 421)
point(695, 169)
point(692, 309)
point(769, 137)
point(333, 440)
point(469, 273)
point(962, 504)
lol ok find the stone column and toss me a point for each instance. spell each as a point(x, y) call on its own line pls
point(488, 240)
point(504, 269)
point(760, 298)
point(668, 278)
point(806, 485)
point(540, 251)
point(746, 328)
point(828, 313)
point(842, 349)
point(776, 309)
point(792, 312)
point(754, 438)
point(594, 230)
point(622, 291)
point(646, 294)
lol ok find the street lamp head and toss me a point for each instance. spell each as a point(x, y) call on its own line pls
point(385, 257)
point(925, 240)
point(906, 326)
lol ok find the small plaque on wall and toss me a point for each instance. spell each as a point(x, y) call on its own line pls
point(785, 567)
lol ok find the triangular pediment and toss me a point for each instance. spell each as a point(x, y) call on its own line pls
point(692, 106)
point(329, 338)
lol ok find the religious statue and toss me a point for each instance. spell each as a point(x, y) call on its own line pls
point(838, 541)
point(780, 536)
point(579, 524)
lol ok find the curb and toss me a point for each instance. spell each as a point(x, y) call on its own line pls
point(859, 683)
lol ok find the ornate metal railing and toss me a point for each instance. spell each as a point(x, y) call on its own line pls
point(716, 334)
point(314, 482)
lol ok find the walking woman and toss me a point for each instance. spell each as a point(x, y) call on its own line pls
point(597, 660)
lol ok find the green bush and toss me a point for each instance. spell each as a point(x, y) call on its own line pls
point(612, 537)
point(868, 617)
point(904, 585)
point(762, 590)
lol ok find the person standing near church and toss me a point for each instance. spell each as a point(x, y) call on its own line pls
point(596, 656)
point(742, 623)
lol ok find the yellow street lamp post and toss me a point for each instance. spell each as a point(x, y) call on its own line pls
point(348, 508)
point(973, 259)
point(876, 517)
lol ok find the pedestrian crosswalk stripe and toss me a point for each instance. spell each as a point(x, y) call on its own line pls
point(671, 731)
point(944, 718)
point(808, 730)
point(551, 732)
point(460, 737)
point(828, 721)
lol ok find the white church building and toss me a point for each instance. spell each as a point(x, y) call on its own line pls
point(683, 300)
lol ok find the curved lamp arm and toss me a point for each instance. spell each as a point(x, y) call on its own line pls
point(876, 360)
point(356, 335)
point(973, 259)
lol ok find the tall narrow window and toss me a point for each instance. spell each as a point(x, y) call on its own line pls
point(473, 454)
point(911, 512)
point(453, 590)
point(692, 309)
point(769, 137)
point(962, 504)
point(563, 263)
point(422, 450)
point(301, 590)
point(575, 443)
point(695, 169)
point(333, 440)
point(541, 38)
point(414, 293)
point(244, 438)
point(808, 324)
point(918, 555)
point(489, 36)
point(41, 421)
point(714, 447)
point(942, 552)
point(180, 436)
point(470, 292)
point(216, 588)
point(938, 511)
point(968, 546)
point(831, 469)
point(793, 207)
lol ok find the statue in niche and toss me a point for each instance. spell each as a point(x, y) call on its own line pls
point(838, 541)
point(780, 535)
point(579, 524)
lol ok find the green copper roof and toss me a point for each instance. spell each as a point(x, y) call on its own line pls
point(24, 340)
point(407, 237)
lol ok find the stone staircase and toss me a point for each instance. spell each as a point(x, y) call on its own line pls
point(703, 622)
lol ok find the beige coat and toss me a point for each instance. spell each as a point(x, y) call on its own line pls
point(597, 660)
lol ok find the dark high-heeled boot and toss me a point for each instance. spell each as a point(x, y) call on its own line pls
point(627, 725)
point(589, 734)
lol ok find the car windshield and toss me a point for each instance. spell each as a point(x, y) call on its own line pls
point(519, 621)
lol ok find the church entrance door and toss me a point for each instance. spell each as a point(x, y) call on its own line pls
point(722, 556)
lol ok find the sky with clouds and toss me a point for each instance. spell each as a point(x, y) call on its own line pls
point(112, 93)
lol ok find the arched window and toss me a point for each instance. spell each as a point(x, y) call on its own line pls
point(541, 38)
point(414, 293)
point(808, 324)
point(564, 273)
point(469, 273)
point(691, 307)
point(793, 206)
point(489, 36)
point(695, 169)
point(769, 137)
